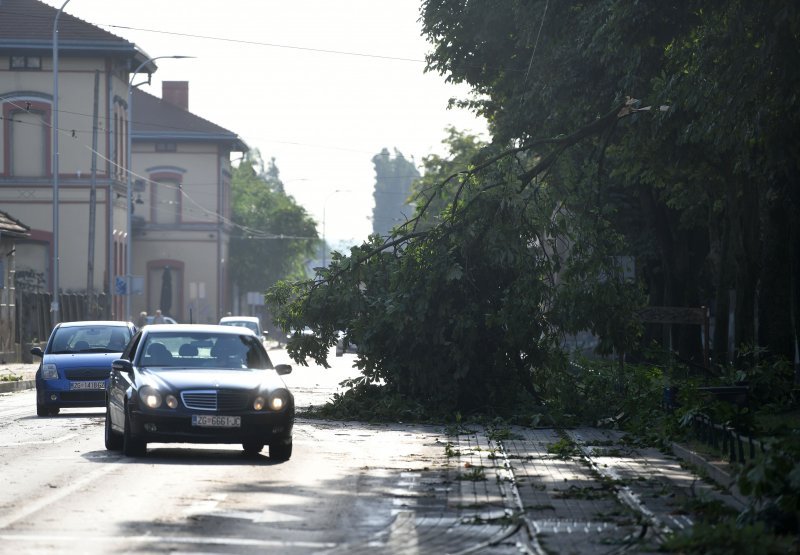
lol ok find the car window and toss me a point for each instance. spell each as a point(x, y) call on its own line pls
point(90, 339)
point(242, 323)
point(202, 350)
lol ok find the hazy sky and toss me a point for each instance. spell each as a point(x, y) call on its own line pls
point(276, 73)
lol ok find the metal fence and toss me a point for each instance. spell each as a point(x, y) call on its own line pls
point(33, 318)
point(736, 447)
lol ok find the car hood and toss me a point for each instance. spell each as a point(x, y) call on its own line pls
point(81, 360)
point(174, 379)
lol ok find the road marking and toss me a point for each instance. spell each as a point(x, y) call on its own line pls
point(42, 502)
point(199, 540)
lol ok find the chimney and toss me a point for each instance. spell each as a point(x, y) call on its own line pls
point(176, 93)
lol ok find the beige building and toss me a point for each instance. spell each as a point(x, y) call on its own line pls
point(181, 169)
point(182, 174)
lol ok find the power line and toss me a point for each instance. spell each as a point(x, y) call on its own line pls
point(267, 44)
point(220, 217)
point(242, 41)
point(175, 128)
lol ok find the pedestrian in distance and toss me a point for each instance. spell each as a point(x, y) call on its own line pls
point(158, 318)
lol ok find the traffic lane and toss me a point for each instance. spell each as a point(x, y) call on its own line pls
point(314, 385)
point(34, 451)
point(187, 498)
point(69, 495)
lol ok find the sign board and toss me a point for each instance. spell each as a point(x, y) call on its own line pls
point(255, 298)
point(121, 285)
point(137, 285)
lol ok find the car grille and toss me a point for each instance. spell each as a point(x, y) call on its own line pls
point(87, 373)
point(217, 400)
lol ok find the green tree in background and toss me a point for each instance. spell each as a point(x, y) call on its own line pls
point(704, 193)
point(660, 132)
point(462, 149)
point(393, 178)
point(272, 235)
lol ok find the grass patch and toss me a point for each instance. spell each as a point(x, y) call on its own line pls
point(564, 449)
point(474, 474)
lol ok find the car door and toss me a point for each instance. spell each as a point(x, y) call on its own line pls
point(120, 382)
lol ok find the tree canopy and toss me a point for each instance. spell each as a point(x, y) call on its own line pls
point(272, 236)
point(647, 130)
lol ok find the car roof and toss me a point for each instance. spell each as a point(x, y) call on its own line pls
point(88, 323)
point(239, 319)
point(196, 328)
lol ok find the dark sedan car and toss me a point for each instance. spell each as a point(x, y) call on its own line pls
point(198, 384)
point(76, 363)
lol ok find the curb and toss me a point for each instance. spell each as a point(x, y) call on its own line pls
point(714, 471)
point(19, 385)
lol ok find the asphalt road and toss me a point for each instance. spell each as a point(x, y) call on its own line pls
point(64, 493)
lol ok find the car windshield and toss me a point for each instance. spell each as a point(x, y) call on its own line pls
point(202, 350)
point(242, 323)
point(90, 339)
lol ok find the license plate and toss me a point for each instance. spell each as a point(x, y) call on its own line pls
point(209, 421)
point(87, 385)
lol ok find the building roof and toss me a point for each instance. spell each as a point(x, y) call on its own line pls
point(27, 26)
point(12, 226)
point(155, 119)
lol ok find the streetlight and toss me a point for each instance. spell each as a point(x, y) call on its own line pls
point(54, 305)
point(129, 238)
point(324, 205)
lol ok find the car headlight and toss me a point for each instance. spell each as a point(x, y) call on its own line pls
point(150, 397)
point(172, 401)
point(259, 403)
point(278, 400)
point(49, 372)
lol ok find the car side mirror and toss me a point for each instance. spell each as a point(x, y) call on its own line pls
point(265, 333)
point(37, 352)
point(283, 369)
point(122, 365)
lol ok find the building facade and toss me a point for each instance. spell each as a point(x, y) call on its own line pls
point(182, 174)
point(180, 179)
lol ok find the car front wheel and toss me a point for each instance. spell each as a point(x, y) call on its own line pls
point(280, 451)
point(112, 438)
point(44, 410)
point(132, 446)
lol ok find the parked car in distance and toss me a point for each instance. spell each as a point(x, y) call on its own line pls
point(193, 383)
point(167, 320)
point(76, 363)
point(251, 322)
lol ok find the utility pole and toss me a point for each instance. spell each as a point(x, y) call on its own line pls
point(93, 198)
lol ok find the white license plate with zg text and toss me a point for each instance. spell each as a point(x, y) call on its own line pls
point(210, 421)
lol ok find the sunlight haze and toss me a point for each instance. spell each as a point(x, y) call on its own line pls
point(320, 85)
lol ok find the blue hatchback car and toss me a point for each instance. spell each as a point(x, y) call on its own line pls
point(76, 363)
